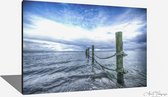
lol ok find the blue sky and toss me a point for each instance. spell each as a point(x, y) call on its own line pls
point(73, 27)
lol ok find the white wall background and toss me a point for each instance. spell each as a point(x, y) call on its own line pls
point(10, 47)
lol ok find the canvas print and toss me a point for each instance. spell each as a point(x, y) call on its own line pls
point(80, 47)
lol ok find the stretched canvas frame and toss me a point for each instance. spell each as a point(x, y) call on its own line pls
point(80, 47)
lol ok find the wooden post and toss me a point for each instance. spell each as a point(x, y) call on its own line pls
point(92, 54)
point(88, 52)
point(88, 55)
point(93, 59)
point(119, 58)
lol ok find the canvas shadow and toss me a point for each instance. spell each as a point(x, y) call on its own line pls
point(14, 80)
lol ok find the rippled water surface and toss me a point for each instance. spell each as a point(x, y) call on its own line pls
point(48, 72)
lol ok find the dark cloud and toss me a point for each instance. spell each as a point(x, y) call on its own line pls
point(142, 38)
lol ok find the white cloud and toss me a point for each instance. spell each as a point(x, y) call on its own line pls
point(42, 27)
point(43, 45)
point(51, 29)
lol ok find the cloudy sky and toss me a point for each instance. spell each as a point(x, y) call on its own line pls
point(73, 27)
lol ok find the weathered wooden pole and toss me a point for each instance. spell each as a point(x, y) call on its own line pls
point(119, 58)
point(88, 49)
point(86, 53)
point(93, 59)
point(92, 54)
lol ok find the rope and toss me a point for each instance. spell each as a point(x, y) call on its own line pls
point(90, 56)
point(105, 57)
point(96, 67)
point(121, 54)
point(109, 75)
point(104, 66)
point(116, 54)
